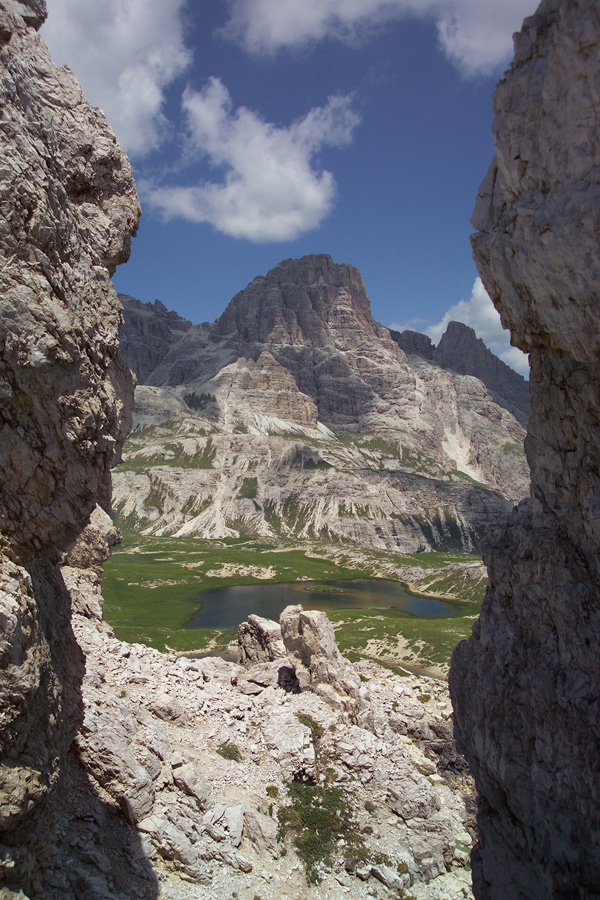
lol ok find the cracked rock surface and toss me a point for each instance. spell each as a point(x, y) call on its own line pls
point(525, 687)
point(68, 209)
point(201, 823)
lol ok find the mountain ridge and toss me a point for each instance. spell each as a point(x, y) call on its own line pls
point(395, 451)
point(459, 349)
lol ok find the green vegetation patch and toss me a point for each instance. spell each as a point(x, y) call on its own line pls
point(153, 586)
point(364, 633)
point(140, 462)
point(230, 750)
point(249, 489)
point(319, 816)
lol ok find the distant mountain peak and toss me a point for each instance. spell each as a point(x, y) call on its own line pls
point(462, 351)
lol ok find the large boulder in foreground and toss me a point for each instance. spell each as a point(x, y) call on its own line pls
point(526, 686)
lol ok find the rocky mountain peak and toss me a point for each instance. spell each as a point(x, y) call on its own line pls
point(462, 351)
point(297, 301)
point(317, 268)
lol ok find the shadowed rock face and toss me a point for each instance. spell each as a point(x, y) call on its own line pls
point(526, 686)
point(69, 208)
point(461, 350)
point(148, 333)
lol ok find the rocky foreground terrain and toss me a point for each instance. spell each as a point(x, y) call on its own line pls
point(182, 777)
point(297, 414)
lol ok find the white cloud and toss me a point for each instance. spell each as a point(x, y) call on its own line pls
point(479, 312)
point(415, 324)
point(270, 189)
point(475, 34)
point(125, 53)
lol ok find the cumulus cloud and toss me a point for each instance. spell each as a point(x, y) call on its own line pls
point(480, 313)
point(125, 53)
point(270, 188)
point(474, 34)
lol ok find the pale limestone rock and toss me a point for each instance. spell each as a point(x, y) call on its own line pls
point(259, 640)
point(69, 208)
point(167, 707)
point(262, 831)
point(82, 565)
point(290, 381)
point(309, 639)
point(190, 779)
point(391, 879)
point(525, 687)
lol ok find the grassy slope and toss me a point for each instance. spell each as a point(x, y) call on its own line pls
point(150, 592)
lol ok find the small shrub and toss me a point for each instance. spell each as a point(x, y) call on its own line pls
point(369, 806)
point(249, 489)
point(316, 729)
point(381, 859)
point(424, 697)
point(319, 816)
point(272, 791)
point(229, 750)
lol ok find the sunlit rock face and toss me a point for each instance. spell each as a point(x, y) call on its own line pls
point(295, 413)
point(526, 686)
point(68, 210)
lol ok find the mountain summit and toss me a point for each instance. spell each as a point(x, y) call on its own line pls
point(296, 413)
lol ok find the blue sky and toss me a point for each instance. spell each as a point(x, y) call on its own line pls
point(265, 129)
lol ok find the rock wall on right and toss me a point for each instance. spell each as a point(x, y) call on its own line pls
point(526, 685)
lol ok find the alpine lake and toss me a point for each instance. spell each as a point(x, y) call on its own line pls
point(190, 596)
point(224, 608)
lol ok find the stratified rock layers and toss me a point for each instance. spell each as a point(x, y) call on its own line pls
point(68, 210)
point(526, 686)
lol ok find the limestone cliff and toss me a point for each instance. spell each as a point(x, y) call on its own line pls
point(68, 210)
point(526, 685)
point(148, 333)
point(296, 414)
point(462, 351)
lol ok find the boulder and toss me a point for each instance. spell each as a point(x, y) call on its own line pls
point(309, 639)
point(259, 640)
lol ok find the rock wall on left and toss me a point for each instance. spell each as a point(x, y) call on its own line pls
point(68, 210)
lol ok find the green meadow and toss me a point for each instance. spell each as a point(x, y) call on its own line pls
point(153, 586)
